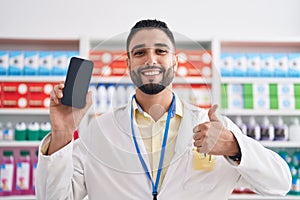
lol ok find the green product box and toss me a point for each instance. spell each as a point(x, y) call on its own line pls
point(297, 102)
point(274, 102)
point(224, 90)
point(297, 89)
point(248, 89)
point(224, 95)
point(248, 102)
point(273, 89)
point(224, 102)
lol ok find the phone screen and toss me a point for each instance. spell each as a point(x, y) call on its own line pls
point(77, 82)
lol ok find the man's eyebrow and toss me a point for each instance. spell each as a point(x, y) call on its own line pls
point(161, 45)
point(156, 45)
point(138, 46)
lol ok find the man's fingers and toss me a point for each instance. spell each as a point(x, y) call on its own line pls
point(212, 113)
point(56, 93)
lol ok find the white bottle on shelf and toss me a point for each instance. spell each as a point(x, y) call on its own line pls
point(111, 94)
point(1, 131)
point(294, 130)
point(95, 101)
point(8, 132)
point(121, 95)
point(253, 129)
point(102, 98)
point(266, 129)
point(281, 129)
point(239, 122)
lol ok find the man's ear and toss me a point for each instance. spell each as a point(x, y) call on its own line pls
point(128, 62)
point(175, 66)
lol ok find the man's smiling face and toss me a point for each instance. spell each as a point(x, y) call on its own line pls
point(151, 60)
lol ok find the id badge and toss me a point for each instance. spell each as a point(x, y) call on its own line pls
point(202, 161)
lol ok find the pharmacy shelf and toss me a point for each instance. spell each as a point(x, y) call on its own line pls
point(19, 197)
point(27, 197)
point(19, 143)
point(24, 111)
point(32, 78)
point(260, 197)
point(127, 80)
point(259, 80)
point(280, 144)
point(261, 112)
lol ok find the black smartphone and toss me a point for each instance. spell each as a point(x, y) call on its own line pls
point(77, 82)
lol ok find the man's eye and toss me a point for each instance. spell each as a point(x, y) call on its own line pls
point(161, 51)
point(138, 53)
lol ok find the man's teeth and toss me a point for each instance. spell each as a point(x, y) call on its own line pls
point(151, 73)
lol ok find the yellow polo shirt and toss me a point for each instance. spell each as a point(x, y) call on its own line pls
point(152, 133)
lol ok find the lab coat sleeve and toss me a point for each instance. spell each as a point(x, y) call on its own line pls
point(265, 171)
point(60, 175)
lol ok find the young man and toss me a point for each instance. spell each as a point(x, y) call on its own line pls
point(156, 147)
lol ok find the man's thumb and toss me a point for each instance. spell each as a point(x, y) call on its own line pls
point(212, 113)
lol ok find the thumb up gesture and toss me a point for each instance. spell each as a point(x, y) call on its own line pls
point(213, 137)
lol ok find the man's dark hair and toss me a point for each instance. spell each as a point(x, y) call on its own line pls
point(149, 24)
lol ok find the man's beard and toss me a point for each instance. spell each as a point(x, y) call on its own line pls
point(152, 88)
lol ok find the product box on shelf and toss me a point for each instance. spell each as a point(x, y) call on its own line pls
point(31, 63)
point(60, 63)
point(45, 63)
point(4, 62)
point(39, 94)
point(267, 65)
point(197, 94)
point(253, 64)
point(294, 65)
point(239, 65)
point(194, 63)
point(280, 65)
point(25, 94)
point(109, 63)
point(14, 95)
point(16, 63)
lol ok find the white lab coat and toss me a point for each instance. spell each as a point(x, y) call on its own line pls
point(103, 163)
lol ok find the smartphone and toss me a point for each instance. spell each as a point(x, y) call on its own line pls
point(77, 82)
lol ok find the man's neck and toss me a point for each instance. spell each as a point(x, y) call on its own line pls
point(155, 105)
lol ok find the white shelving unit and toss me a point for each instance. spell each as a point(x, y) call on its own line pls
point(260, 197)
point(217, 46)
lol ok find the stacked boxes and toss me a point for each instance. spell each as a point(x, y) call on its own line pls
point(273, 96)
point(25, 94)
point(33, 63)
point(260, 64)
point(194, 63)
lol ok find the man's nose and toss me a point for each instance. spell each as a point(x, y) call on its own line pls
point(151, 58)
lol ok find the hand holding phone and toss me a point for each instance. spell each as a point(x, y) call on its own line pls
point(77, 82)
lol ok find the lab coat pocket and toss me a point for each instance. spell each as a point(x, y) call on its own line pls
point(200, 180)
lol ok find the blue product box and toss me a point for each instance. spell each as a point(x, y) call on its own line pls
point(60, 63)
point(226, 64)
point(45, 63)
point(4, 63)
point(267, 65)
point(253, 65)
point(294, 65)
point(72, 54)
point(280, 65)
point(16, 63)
point(31, 63)
point(240, 65)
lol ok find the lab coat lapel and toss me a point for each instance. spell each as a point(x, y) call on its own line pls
point(127, 126)
point(184, 141)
